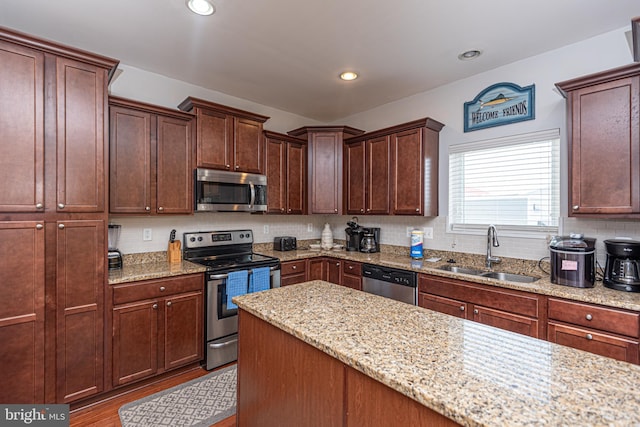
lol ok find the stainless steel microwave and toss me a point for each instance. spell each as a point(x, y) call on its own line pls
point(222, 191)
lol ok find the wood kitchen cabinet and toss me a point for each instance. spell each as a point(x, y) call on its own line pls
point(601, 330)
point(157, 326)
point(324, 165)
point(367, 172)
point(603, 115)
point(515, 311)
point(351, 275)
point(54, 104)
point(286, 167)
point(227, 138)
point(22, 312)
point(151, 159)
point(292, 272)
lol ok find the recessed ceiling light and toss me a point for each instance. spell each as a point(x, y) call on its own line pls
point(201, 7)
point(348, 75)
point(469, 54)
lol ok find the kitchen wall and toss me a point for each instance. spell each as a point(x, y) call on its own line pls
point(443, 104)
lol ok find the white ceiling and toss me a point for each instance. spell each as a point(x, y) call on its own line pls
point(287, 54)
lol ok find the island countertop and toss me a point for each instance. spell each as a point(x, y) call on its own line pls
point(474, 374)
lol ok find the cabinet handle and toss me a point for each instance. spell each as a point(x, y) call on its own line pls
point(147, 208)
point(589, 336)
point(361, 210)
point(168, 303)
point(462, 308)
point(289, 209)
point(60, 205)
point(576, 207)
point(160, 208)
point(588, 317)
point(475, 311)
point(39, 226)
point(417, 209)
point(335, 210)
point(351, 267)
point(162, 288)
point(237, 167)
point(60, 226)
point(293, 267)
point(227, 166)
point(337, 264)
point(154, 306)
point(39, 206)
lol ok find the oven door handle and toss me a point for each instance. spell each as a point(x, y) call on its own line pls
point(253, 194)
point(225, 275)
point(224, 344)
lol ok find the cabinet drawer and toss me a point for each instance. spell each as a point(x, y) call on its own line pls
point(148, 289)
point(352, 268)
point(292, 267)
point(603, 318)
point(594, 342)
point(448, 306)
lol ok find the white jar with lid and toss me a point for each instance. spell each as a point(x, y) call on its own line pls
point(326, 241)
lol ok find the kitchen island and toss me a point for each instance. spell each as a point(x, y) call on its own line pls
point(308, 350)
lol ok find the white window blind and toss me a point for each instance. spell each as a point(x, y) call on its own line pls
point(512, 182)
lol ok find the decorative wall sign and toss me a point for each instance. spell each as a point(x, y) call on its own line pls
point(500, 104)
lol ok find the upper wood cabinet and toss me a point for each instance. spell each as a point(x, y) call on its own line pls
point(603, 132)
point(227, 138)
point(393, 170)
point(324, 166)
point(151, 159)
point(286, 167)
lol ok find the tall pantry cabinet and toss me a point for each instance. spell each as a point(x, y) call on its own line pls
point(53, 163)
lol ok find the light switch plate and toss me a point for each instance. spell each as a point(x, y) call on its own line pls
point(428, 232)
point(147, 234)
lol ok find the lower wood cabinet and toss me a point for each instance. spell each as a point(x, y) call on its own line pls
point(514, 311)
point(292, 272)
point(352, 275)
point(157, 326)
point(601, 330)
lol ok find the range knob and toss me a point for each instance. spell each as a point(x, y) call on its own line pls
point(192, 239)
point(200, 239)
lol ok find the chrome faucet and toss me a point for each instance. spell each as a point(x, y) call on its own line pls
point(492, 240)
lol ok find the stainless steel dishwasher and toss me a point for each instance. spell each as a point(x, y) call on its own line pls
point(400, 285)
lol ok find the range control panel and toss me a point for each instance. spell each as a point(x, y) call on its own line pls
point(203, 239)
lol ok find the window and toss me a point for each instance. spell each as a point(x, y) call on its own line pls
point(511, 182)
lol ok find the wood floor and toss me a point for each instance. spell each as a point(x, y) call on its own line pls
point(106, 414)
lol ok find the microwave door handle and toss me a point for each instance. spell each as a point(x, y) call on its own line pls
point(253, 194)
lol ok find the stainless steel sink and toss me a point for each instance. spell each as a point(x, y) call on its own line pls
point(462, 270)
point(509, 277)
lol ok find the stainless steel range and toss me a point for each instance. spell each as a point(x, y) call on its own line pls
point(225, 252)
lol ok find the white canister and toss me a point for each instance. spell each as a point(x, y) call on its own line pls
point(326, 241)
point(417, 238)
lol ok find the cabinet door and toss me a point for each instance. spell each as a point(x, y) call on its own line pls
point(22, 312)
point(317, 269)
point(355, 182)
point(378, 165)
point(594, 342)
point(325, 173)
point(80, 105)
point(135, 341)
point(130, 161)
point(183, 330)
point(174, 174)
point(214, 140)
point(352, 275)
point(276, 171)
point(605, 148)
point(444, 305)
point(408, 172)
point(508, 321)
point(296, 172)
point(248, 146)
point(21, 129)
point(334, 271)
point(80, 282)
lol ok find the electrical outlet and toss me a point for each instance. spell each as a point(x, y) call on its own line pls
point(409, 231)
point(428, 232)
point(309, 228)
point(147, 234)
point(266, 229)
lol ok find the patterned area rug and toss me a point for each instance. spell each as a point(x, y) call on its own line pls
point(200, 402)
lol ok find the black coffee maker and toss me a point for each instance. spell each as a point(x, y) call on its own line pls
point(370, 239)
point(622, 268)
point(354, 236)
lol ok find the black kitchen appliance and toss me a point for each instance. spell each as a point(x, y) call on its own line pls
point(370, 241)
point(622, 268)
point(224, 252)
point(353, 236)
point(573, 261)
point(285, 243)
point(114, 256)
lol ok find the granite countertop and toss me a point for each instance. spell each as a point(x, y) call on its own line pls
point(596, 295)
point(151, 265)
point(474, 374)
